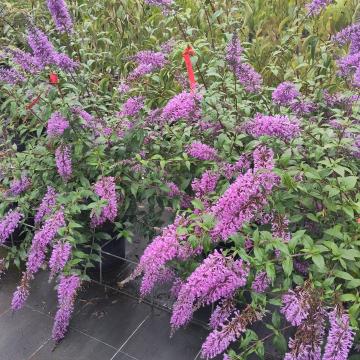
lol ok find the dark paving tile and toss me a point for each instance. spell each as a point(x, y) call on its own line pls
point(8, 283)
point(108, 315)
point(123, 356)
point(75, 346)
point(43, 295)
point(152, 340)
point(22, 333)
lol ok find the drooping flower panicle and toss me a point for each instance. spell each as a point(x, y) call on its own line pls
point(63, 161)
point(47, 205)
point(106, 189)
point(60, 14)
point(8, 224)
point(67, 290)
point(202, 151)
point(227, 275)
point(59, 257)
point(56, 125)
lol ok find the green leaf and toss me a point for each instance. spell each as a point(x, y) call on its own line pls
point(280, 343)
point(319, 261)
point(343, 275)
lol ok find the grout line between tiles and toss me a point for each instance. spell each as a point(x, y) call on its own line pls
point(5, 312)
point(38, 349)
point(74, 328)
point(131, 335)
point(197, 356)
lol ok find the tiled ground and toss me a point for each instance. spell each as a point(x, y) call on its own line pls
point(106, 325)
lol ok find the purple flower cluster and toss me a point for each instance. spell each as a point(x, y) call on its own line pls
point(161, 3)
point(206, 184)
point(67, 290)
point(227, 275)
point(285, 93)
point(340, 338)
point(105, 188)
point(56, 125)
point(302, 108)
point(240, 203)
point(261, 282)
point(132, 106)
point(222, 313)
point(220, 339)
point(316, 6)
point(245, 73)
point(21, 294)
point(202, 151)
point(60, 14)
point(28, 62)
point(59, 257)
point(8, 224)
point(18, 186)
point(308, 338)
point(41, 240)
point(174, 190)
point(45, 52)
point(296, 306)
point(147, 62)
point(279, 126)
point(350, 64)
point(11, 76)
point(47, 205)
point(182, 106)
point(164, 248)
point(234, 51)
point(63, 161)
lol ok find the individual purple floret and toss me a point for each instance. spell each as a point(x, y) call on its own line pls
point(200, 289)
point(18, 186)
point(8, 224)
point(340, 338)
point(11, 76)
point(63, 161)
point(105, 188)
point(316, 6)
point(56, 125)
point(201, 151)
point(132, 106)
point(59, 257)
point(67, 290)
point(60, 14)
point(278, 126)
point(285, 93)
point(261, 282)
point(47, 205)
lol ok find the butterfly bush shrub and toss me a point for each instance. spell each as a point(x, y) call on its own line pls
point(258, 165)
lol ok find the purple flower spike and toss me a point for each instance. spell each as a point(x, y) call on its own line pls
point(60, 14)
point(56, 125)
point(8, 224)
